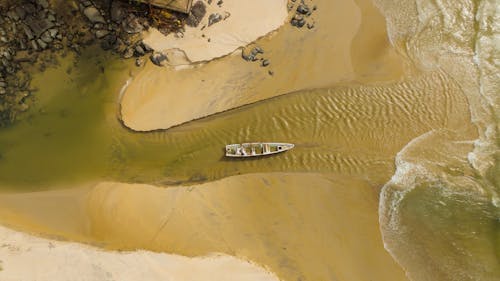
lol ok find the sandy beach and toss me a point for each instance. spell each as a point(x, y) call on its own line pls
point(159, 98)
point(251, 217)
point(241, 23)
point(50, 260)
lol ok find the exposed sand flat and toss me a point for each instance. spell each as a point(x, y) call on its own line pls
point(244, 21)
point(299, 226)
point(299, 59)
point(49, 260)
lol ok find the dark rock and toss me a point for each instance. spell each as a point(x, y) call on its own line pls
point(298, 21)
point(43, 3)
point(29, 8)
point(38, 26)
point(219, 3)
point(265, 63)
point(303, 9)
point(13, 15)
point(214, 18)
point(158, 58)
point(117, 12)
point(139, 51)
point(108, 42)
point(197, 13)
point(146, 47)
point(271, 72)
point(21, 13)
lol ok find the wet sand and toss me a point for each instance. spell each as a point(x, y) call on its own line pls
point(348, 44)
point(299, 226)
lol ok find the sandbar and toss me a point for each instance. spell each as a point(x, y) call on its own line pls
point(162, 97)
point(297, 225)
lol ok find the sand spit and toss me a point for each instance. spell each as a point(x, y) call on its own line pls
point(241, 22)
point(49, 260)
point(299, 58)
point(299, 226)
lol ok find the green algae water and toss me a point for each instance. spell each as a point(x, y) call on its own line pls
point(72, 134)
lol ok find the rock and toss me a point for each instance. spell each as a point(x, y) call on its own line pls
point(158, 58)
point(265, 63)
point(310, 25)
point(34, 45)
point(43, 3)
point(38, 26)
point(21, 13)
point(53, 32)
point(197, 13)
point(139, 62)
point(139, 51)
point(117, 12)
point(101, 33)
point(108, 42)
point(298, 21)
point(303, 9)
point(128, 53)
point(93, 15)
point(271, 72)
point(219, 3)
point(132, 25)
point(13, 15)
point(41, 44)
point(214, 18)
point(29, 8)
point(51, 18)
point(146, 47)
point(46, 37)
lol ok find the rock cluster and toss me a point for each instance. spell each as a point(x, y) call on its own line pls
point(302, 14)
point(33, 33)
point(254, 53)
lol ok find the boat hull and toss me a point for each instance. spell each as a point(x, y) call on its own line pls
point(256, 149)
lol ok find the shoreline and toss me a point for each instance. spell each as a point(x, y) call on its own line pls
point(51, 260)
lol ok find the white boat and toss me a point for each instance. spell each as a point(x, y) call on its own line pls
point(256, 149)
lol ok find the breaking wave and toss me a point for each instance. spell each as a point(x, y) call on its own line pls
point(439, 213)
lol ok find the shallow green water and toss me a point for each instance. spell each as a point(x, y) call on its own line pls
point(72, 133)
